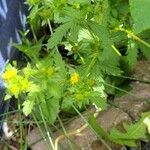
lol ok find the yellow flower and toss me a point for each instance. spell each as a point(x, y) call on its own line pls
point(25, 85)
point(74, 78)
point(14, 89)
point(9, 74)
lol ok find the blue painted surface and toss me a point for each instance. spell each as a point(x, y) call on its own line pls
point(12, 19)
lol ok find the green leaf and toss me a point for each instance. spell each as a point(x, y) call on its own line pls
point(101, 133)
point(55, 89)
point(74, 33)
point(50, 109)
point(58, 35)
point(60, 64)
point(145, 50)
point(31, 50)
point(109, 68)
point(7, 97)
point(140, 14)
point(132, 53)
point(78, 1)
point(133, 132)
point(103, 34)
point(98, 95)
point(28, 107)
point(99, 101)
point(84, 35)
point(69, 14)
point(33, 13)
point(67, 104)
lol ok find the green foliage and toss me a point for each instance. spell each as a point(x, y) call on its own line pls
point(58, 35)
point(76, 45)
point(140, 13)
point(30, 49)
point(129, 137)
point(132, 53)
point(132, 132)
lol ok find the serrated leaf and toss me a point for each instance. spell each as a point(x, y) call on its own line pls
point(69, 14)
point(103, 34)
point(33, 13)
point(109, 68)
point(74, 32)
point(140, 14)
point(32, 51)
point(60, 63)
point(133, 132)
point(58, 35)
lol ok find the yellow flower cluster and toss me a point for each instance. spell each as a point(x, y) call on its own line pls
point(15, 83)
point(74, 79)
point(9, 74)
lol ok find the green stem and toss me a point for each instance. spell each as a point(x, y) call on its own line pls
point(34, 35)
point(51, 31)
point(89, 29)
point(134, 36)
point(46, 128)
point(65, 132)
point(20, 125)
point(116, 50)
point(82, 59)
point(42, 134)
point(119, 89)
point(134, 79)
point(91, 65)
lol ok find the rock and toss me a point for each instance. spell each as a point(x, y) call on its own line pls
point(142, 70)
point(87, 140)
point(96, 145)
point(134, 107)
point(140, 90)
point(36, 141)
point(113, 117)
point(137, 100)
